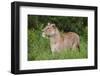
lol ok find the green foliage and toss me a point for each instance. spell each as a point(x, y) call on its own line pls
point(64, 23)
point(39, 47)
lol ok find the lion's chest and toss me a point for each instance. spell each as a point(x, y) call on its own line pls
point(56, 46)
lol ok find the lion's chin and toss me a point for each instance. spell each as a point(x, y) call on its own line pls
point(44, 35)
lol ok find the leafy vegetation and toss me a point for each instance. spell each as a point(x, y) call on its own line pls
point(39, 47)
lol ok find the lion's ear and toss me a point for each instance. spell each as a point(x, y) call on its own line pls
point(48, 23)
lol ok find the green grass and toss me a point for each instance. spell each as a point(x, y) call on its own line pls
point(39, 48)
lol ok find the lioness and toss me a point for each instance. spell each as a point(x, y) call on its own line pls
point(58, 41)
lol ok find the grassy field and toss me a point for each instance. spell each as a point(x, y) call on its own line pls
point(39, 48)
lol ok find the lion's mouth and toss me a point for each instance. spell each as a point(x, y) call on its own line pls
point(43, 35)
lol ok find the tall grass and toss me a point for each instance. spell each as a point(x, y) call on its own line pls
point(39, 48)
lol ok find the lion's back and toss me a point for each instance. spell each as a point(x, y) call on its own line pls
point(71, 38)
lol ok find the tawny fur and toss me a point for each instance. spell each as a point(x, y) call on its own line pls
point(58, 41)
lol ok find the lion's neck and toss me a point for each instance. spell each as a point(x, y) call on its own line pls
point(57, 38)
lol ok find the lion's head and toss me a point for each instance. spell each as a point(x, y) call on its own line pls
point(49, 30)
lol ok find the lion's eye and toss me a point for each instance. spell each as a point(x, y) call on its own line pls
point(48, 28)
